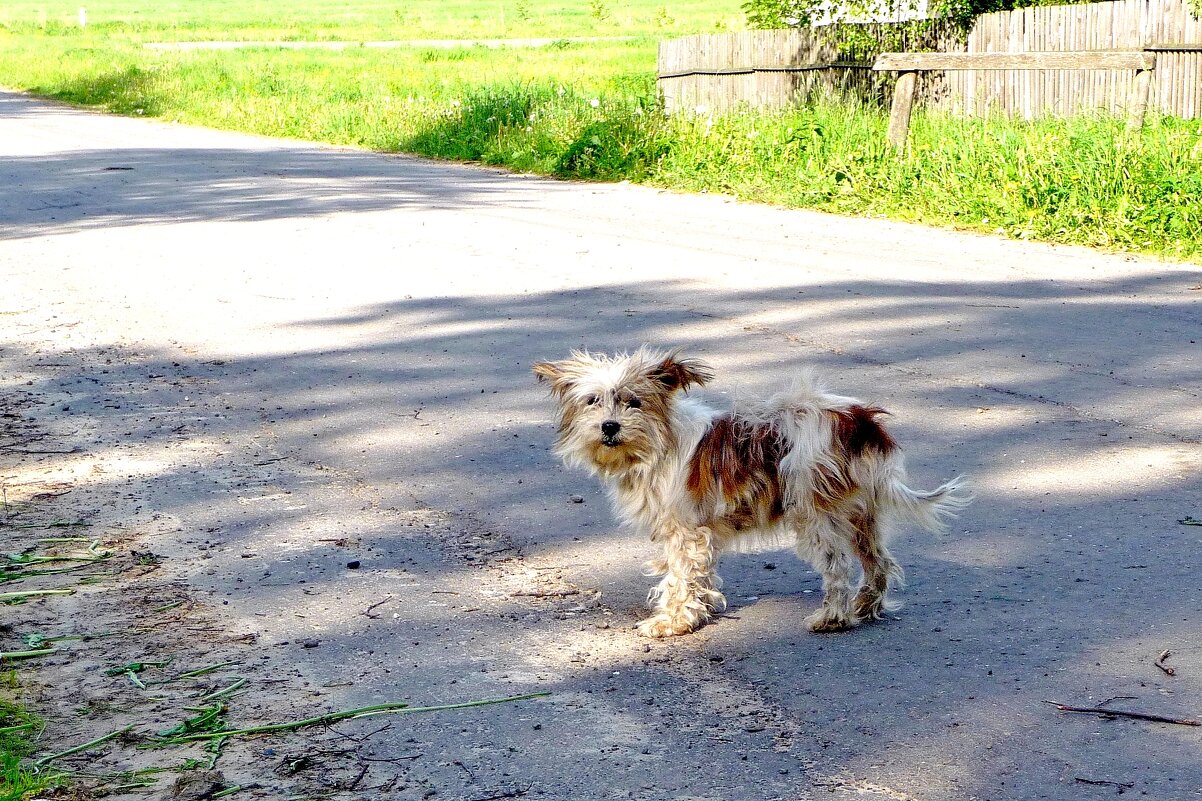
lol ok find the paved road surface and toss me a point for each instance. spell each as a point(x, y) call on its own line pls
point(278, 346)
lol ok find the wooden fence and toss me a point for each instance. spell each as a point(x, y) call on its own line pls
point(712, 73)
point(1167, 26)
point(717, 72)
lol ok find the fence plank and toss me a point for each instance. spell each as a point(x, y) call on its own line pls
point(703, 73)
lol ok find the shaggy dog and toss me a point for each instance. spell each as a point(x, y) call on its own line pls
point(803, 468)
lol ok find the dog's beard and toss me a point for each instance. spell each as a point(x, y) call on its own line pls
point(609, 454)
point(614, 455)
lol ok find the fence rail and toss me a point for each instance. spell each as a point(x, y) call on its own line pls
point(716, 72)
point(772, 68)
point(910, 65)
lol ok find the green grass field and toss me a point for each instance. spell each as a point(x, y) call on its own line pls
point(369, 20)
point(589, 110)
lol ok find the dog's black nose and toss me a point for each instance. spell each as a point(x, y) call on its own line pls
point(610, 427)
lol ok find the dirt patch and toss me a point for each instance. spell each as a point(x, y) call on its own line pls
point(114, 638)
point(107, 636)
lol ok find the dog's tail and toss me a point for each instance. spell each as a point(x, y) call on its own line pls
point(931, 510)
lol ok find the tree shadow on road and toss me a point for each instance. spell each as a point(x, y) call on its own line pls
point(109, 187)
point(1062, 581)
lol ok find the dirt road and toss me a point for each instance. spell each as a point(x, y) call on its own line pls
point(298, 378)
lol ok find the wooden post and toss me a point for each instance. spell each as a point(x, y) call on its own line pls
point(1139, 103)
point(903, 104)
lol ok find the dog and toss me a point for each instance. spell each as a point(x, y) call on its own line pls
point(803, 468)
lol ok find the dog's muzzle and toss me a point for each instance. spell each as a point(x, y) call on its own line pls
point(609, 433)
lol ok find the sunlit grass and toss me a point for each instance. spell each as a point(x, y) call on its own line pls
point(17, 730)
point(589, 110)
point(368, 20)
point(1084, 180)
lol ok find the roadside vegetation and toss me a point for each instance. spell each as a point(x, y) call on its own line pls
point(367, 20)
point(18, 727)
point(589, 110)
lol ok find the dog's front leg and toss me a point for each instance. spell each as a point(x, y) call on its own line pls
point(688, 595)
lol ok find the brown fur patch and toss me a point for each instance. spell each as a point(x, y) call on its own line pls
point(830, 487)
point(741, 461)
point(857, 430)
point(567, 416)
point(552, 373)
point(676, 373)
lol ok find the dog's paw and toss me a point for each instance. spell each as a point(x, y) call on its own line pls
point(869, 606)
point(659, 626)
point(828, 619)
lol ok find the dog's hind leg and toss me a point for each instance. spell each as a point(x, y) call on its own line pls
point(688, 595)
point(828, 548)
point(881, 570)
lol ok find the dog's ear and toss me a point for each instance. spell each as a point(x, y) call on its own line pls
point(552, 372)
point(547, 371)
point(677, 373)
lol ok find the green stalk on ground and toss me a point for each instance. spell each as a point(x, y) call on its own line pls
point(205, 721)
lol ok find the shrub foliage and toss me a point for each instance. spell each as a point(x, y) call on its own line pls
point(767, 14)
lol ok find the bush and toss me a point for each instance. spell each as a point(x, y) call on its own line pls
point(769, 14)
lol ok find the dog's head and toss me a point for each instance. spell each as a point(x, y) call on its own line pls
point(615, 412)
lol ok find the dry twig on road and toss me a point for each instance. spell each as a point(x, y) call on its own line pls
point(1103, 782)
point(1123, 713)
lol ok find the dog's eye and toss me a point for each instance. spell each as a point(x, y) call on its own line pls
point(591, 400)
point(634, 403)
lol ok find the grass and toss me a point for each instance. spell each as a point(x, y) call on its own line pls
point(1081, 181)
point(368, 20)
point(588, 110)
point(18, 727)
